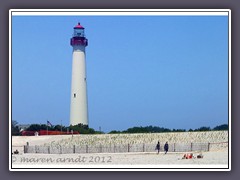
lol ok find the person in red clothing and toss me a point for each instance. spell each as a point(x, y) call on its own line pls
point(188, 156)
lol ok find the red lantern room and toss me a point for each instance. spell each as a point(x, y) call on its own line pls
point(78, 38)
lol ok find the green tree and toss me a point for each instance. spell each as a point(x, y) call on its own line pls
point(15, 129)
point(114, 132)
point(221, 127)
point(38, 127)
point(82, 129)
point(57, 128)
point(203, 128)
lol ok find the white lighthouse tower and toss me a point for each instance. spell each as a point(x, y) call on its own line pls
point(78, 109)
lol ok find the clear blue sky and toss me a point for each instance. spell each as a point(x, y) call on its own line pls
point(167, 71)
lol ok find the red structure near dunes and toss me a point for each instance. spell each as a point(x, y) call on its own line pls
point(45, 132)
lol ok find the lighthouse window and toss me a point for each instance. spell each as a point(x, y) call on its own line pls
point(79, 32)
point(74, 95)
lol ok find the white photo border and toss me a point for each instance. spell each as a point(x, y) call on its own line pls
point(121, 12)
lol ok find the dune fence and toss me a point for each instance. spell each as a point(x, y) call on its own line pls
point(122, 148)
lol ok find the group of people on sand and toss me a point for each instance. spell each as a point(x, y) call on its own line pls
point(190, 156)
point(165, 147)
point(185, 156)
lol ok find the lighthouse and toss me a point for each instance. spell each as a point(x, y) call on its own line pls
point(78, 106)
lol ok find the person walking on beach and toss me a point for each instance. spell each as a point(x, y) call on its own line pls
point(158, 147)
point(166, 147)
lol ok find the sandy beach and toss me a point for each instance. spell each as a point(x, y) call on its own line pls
point(215, 158)
point(211, 160)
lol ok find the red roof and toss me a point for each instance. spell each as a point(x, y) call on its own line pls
point(78, 26)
